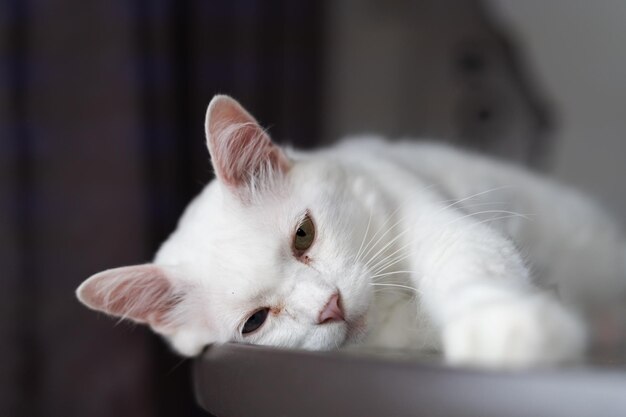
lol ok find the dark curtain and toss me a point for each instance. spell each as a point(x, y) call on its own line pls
point(102, 145)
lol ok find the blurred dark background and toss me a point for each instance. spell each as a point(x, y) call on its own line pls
point(101, 146)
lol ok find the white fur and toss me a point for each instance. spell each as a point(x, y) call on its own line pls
point(470, 280)
point(429, 247)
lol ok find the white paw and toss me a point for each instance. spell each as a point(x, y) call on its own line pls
point(530, 331)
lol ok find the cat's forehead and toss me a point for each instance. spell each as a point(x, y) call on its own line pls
point(246, 238)
point(253, 223)
point(257, 233)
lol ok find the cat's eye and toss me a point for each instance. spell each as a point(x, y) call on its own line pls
point(304, 236)
point(255, 321)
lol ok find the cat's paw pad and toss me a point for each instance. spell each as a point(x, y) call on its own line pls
point(527, 332)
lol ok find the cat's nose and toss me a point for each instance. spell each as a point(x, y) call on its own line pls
point(332, 310)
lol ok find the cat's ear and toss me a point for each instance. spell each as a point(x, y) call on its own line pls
point(243, 154)
point(142, 293)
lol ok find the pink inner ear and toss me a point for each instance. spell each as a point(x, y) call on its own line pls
point(224, 110)
point(141, 293)
point(242, 153)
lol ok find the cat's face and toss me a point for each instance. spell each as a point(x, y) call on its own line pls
point(267, 254)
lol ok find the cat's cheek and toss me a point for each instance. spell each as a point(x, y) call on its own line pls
point(189, 342)
point(357, 330)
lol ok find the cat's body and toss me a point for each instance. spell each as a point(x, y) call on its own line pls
point(572, 248)
point(406, 245)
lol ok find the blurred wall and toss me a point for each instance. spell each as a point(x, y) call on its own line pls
point(431, 69)
point(577, 49)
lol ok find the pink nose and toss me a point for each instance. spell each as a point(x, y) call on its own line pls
point(332, 311)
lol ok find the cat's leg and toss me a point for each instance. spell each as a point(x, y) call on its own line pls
point(476, 288)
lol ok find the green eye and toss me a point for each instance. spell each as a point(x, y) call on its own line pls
point(304, 236)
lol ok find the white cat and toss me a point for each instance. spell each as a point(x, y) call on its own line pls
point(396, 245)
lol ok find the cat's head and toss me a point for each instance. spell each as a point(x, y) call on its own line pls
point(266, 254)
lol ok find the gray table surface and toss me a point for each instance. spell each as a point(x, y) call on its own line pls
point(239, 380)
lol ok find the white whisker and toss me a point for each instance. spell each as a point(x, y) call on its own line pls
point(475, 195)
point(391, 242)
point(510, 213)
point(407, 287)
point(391, 263)
point(367, 229)
point(485, 203)
point(502, 217)
point(377, 265)
point(370, 246)
point(382, 236)
point(391, 273)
